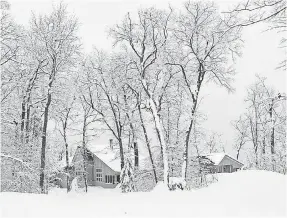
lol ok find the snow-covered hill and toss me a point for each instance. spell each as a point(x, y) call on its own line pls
point(249, 193)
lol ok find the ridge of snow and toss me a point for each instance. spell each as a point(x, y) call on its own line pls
point(243, 193)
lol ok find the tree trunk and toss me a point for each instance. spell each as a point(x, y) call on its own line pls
point(158, 136)
point(44, 140)
point(23, 114)
point(147, 143)
point(201, 74)
point(237, 156)
point(159, 130)
point(68, 169)
point(272, 142)
point(136, 154)
point(27, 126)
point(272, 139)
point(44, 130)
point(121, 153)
point(85, 153)
point(67, 161)
point(239, 149)
point(185, 157)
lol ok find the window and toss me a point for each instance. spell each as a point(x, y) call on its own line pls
point(99, 177)
point(118, 179)
point(110, 179)
point(99, 174)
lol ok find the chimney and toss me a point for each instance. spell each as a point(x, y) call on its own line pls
point(136, 153)
point(111, 144)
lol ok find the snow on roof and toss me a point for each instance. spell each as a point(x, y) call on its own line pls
point(215, 157)
point(218, 157)
point(112, 159)
point(107, 155)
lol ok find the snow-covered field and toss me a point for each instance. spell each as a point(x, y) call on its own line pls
point(251, 193)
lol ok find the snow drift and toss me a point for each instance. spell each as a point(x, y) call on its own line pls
point(252, 193)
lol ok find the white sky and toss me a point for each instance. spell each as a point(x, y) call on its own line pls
point(261, 54)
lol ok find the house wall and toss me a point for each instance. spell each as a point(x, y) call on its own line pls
point(106, 171)
point(228, 161)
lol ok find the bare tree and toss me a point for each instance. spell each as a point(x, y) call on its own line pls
point(89, 118)
point(241, 127)
point(105, 96)
point(140, 106)
point(263, 120)
point(65, 116)
point(206, 44)
point(145, 40)
point(58, 43)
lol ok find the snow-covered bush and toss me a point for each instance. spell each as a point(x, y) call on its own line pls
point(127, 177)
point(200, 173)
point(144, 181)
point(176, 183)
point(74, 185)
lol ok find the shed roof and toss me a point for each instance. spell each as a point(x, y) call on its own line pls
point(218, 157)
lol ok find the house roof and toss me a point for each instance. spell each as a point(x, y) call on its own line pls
point(107, 155)
point(218, 157)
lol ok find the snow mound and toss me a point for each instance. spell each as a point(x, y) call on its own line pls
point(160, 187)
point(244, 193)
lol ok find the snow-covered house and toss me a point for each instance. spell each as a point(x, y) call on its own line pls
point(102, 167)
point(224, 163)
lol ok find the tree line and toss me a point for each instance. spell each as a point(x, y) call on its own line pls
point(147, 88)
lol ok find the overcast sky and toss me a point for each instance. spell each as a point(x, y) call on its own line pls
point(260, 55)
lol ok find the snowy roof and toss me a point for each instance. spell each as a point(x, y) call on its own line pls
point(112, 159)
point(215, 157)
point(107, 155)
point(218, 157)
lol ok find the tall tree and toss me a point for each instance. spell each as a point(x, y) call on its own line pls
point(241, 128)
point(105, 96)
point(58, 43)
point(145, 39)
point(206, 44)
point(262, 126)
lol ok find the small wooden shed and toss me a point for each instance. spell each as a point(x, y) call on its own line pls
point(224, 163)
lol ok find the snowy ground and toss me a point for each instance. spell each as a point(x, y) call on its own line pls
point(251, 193)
